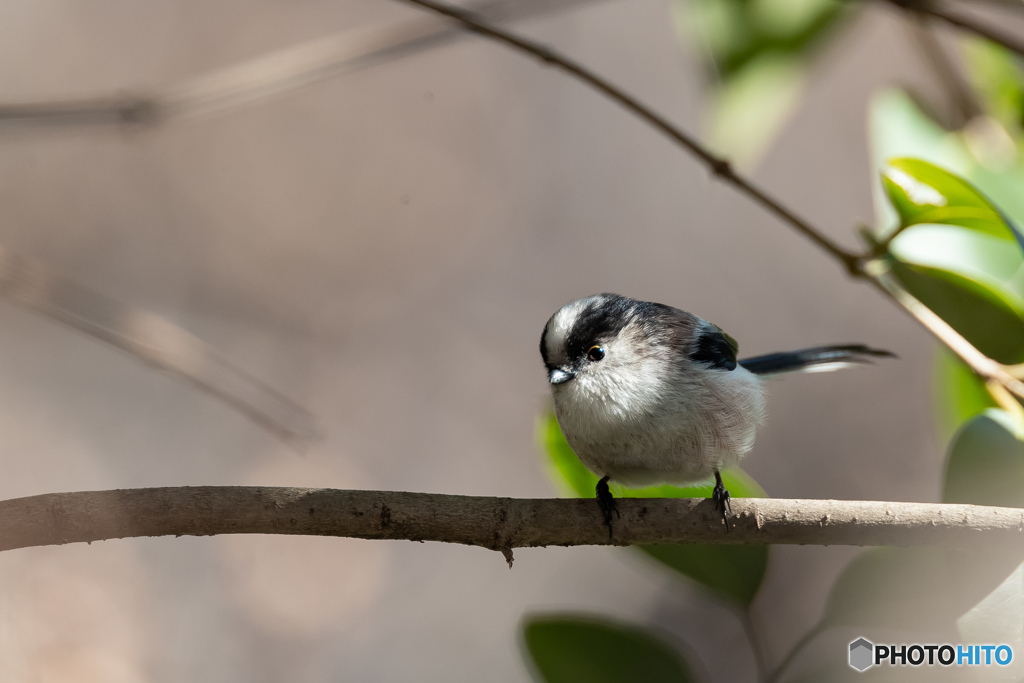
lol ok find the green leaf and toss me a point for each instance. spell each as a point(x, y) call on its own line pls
point(986, 462)
point(898, 128)
point(959, 393)
point(986, 313)
point(925, 193)
point(733, 573)
point(564, 468)
point(574, 648)
point(976, 255)
point(737, 32)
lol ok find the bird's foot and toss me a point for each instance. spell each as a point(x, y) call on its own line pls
point(606, 501)
point(721, 498)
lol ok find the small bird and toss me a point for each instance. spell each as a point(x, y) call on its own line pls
point(649, 394)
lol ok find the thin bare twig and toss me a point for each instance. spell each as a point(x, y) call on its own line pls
point(495, 523)
point(270, 74)
point(718, 166)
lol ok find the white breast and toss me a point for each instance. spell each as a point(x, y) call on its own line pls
point(642, 421)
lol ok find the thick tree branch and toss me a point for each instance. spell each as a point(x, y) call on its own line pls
point(495, 523)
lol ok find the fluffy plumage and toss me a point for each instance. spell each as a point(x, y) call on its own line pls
point(648, 394)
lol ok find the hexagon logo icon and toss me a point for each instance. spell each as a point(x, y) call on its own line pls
point(862, 654)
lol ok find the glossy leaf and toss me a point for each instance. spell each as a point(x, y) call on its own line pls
point(925, 193)
point(959, 394)
point(734, 573)
point(961, 258)
point(986, 462)
point(985, 313)
point(898, 128)
point(976, 255)
point(574, 648)
point(922, 192)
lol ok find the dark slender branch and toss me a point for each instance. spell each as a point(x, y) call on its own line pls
point(1008, 5)
point(965, 105)
point(856, 265)
point(791, 656)
point(495, 523)
point(929, 8)
point(718, 166)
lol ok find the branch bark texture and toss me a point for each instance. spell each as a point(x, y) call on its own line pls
point(495, 523)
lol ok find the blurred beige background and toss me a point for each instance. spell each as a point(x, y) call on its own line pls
point(384, 247)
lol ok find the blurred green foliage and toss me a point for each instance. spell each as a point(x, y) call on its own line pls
point(756, 54)
point(998, 79)
point(948, 205)
point(568, 648)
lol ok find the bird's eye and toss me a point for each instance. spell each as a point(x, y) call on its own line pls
point(595, 353)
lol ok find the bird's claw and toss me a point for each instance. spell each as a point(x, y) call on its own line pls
point(606, 501)
point(721, 498)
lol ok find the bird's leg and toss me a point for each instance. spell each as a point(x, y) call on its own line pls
point(607, 503)
point(721, 498)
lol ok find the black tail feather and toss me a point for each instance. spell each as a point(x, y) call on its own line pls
point(817, 358)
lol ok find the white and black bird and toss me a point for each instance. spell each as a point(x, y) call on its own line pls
point(648, 394)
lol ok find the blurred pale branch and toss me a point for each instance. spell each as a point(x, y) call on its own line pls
point(865, 266)
point(154, 341)
point(270, 74)
point(500, 524)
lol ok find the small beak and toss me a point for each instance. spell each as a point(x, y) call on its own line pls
point(560, 375)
